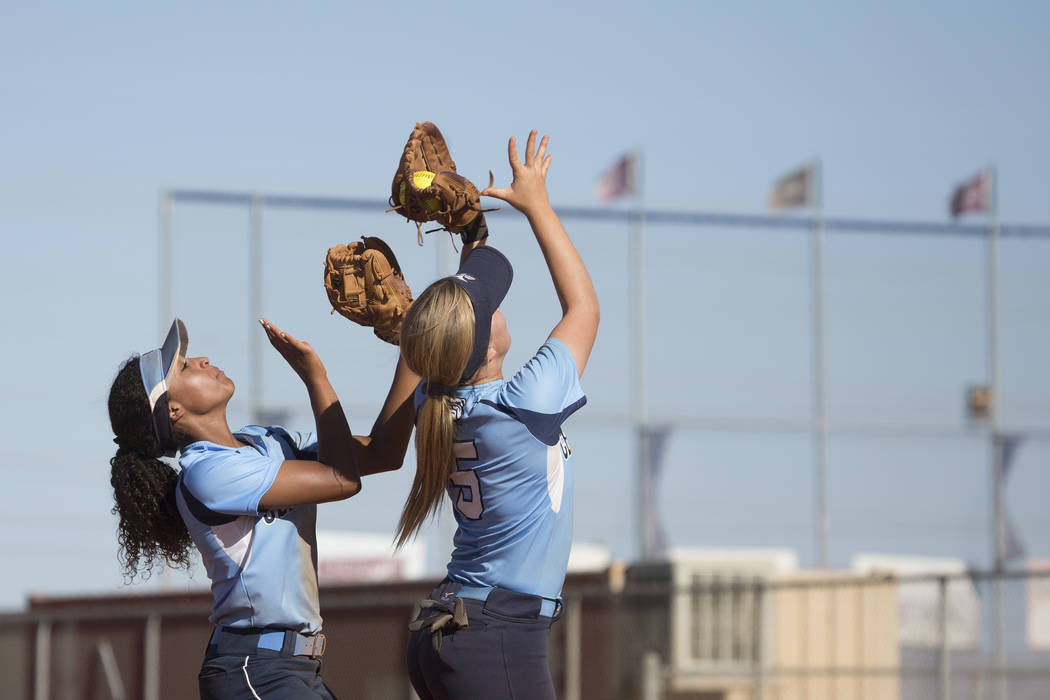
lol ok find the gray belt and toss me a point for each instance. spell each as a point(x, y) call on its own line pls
point(234, 641)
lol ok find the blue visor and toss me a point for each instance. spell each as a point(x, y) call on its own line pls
point(486, 275)
point(157, 367)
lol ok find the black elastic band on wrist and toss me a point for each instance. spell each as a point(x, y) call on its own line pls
point(476, 231)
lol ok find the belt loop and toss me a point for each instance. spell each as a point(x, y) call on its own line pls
point(288, 647)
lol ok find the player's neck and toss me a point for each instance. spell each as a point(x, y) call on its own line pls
point(211, 427)
point(488, 372)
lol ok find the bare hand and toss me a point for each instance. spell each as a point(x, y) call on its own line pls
point(297, 353)
point(528, 191)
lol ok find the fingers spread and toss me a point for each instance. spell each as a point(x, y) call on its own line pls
point(542, 150)
point(512, 152)
point(530, 155)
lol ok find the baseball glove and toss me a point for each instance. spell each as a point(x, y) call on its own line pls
point(426, 186)
point(364, 283)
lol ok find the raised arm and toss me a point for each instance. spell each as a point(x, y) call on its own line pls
point(334, 476)
point(528, 194)
point(474, 235)
point(383, 449)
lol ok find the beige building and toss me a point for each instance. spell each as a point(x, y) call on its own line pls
point(744, 625)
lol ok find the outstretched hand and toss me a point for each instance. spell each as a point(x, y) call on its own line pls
point(297, 353)
point(528, 191)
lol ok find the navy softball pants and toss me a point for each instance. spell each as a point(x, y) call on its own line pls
point(239, 669)
point(502, 653)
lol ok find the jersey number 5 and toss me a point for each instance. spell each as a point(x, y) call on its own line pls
point(464, 486)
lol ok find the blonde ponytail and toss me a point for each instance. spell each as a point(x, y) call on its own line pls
point(437, 337)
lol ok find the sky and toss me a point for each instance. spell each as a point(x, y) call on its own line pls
point(106, 106)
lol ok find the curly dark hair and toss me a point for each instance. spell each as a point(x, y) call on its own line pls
point(150, 531)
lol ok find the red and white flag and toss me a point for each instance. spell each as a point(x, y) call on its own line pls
point(972, 195)
point(618, 180)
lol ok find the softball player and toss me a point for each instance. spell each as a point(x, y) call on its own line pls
point(496, 446)
point(246, 500)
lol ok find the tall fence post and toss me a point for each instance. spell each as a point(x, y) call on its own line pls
point(944, 660)
point(151, 659)
point(42, 664)
point(758, 640)
point(573, 648)
point(651, 676)
point(255, 287)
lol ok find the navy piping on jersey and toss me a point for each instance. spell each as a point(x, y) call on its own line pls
point(202, 512)
point(545, 427)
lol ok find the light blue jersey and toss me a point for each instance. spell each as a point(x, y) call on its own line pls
point(512, 485)
point(262, 566)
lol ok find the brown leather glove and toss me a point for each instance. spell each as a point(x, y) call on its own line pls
point(426, 186)
point(364, 283)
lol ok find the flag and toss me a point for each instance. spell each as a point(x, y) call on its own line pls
point(1013, 546)
point(618, 180)
point(796, 189)
point(972, 195)
point(653, 537)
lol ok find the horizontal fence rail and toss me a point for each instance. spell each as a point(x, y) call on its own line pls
point(651, 216)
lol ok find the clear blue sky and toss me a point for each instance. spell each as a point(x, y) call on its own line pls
point(106, 104)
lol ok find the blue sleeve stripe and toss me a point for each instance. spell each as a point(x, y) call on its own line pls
point(202, 512)
point(545, 427)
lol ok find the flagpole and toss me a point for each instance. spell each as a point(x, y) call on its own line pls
point(998, 522)
point(820, 414)
point(638, 394)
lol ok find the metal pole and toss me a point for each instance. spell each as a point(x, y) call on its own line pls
point(165, 263)
point(820, 416)
point(758, 642)
point(151, 659)
point(944, 658)
point(651, 676)
point(255, 285)
point(998, 522)
point(42, 665)
point(573, 648)
point(636, 274)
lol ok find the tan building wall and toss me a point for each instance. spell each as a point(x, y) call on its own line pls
point(848, 627)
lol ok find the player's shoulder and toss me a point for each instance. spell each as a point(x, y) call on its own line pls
point(548, 378)
point(201, 458)
point(203, 462)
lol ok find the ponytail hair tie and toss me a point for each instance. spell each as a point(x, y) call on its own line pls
point(435, 390)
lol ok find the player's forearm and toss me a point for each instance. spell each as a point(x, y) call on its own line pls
point(377, 456)
point(383, 449)
point(568, 272)
point(335, 443)
point(474, 235)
